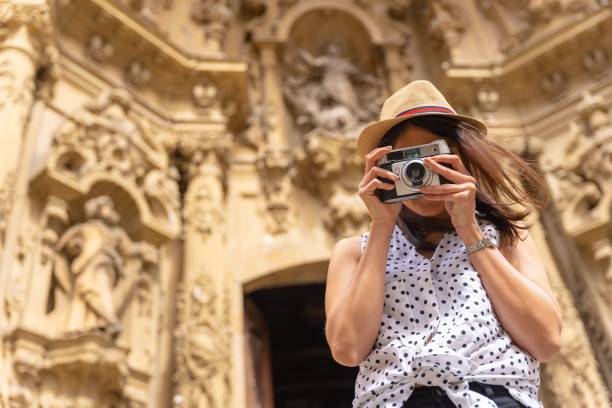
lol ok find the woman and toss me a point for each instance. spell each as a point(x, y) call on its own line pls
point(444, 301)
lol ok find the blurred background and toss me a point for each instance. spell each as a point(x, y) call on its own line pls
point(174, 174)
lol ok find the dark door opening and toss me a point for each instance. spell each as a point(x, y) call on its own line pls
point(303, 372)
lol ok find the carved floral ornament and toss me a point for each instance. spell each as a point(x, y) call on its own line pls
point(35, 18)
point(34, 14)
point(203, 345)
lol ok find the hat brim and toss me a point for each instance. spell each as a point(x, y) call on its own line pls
point(371, 135)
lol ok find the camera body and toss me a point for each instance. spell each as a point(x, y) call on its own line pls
point(407, 163)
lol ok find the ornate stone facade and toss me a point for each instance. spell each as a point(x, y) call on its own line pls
point(161, 159)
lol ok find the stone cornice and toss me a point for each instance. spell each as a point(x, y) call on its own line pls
point(534, 50)
point(157, 56)
point(164, 46)
point(79, 73)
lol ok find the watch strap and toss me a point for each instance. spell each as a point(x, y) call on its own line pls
point(480, 244)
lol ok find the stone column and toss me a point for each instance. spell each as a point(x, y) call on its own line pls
point(23, 49)
point(209, 302)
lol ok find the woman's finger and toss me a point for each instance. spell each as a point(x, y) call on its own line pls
point(374, 155)
point(452, 159)
point(447, 188)
point(459, 196)
point(378, 171)
point(450, 174)
point(374, 184)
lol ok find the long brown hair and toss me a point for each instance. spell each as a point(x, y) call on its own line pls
point(504, 178)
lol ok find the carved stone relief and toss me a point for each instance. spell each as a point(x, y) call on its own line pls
point(215, 17)
point(6, 195)
point(328, 167)
point(275, 169)
point(323, 91)
point(91, 266)
point(595, 61)
point(573, 373)
point(103, 139)
point(203, 349)
point(446, 23)
point(102, 286)
point(580, 181)
point(99, 48)
point(137, 74)
point(488, 100)
point(203, 339)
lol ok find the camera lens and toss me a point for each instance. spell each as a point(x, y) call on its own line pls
point(415, 171)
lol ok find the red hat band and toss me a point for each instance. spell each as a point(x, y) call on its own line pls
point(424, 109)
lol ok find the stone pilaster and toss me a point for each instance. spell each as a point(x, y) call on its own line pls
point(19, 56)
point(273, 96)
point(207, 299)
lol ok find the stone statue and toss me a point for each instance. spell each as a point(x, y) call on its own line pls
point(326, 95)
point(87, 268)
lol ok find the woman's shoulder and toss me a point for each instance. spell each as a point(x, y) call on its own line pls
point(356, 244)
point(349, 246)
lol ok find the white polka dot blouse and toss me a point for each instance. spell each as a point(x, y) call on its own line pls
point(439, 328)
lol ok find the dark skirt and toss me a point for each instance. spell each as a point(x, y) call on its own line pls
point(435, 397)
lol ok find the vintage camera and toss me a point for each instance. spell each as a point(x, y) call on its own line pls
point(407, 163)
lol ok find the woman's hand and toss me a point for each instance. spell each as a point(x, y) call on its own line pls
point(379, 211)
point(459, 198)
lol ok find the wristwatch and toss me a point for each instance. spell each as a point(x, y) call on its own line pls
point(483, 243)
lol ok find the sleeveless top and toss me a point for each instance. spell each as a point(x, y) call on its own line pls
point(438, 328)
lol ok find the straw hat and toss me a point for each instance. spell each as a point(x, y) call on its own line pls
point(414, 99)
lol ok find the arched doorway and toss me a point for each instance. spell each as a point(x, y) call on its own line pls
point(290, 362)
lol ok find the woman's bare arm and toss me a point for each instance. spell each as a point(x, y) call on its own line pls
point(517, 285)
point(354, 294)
